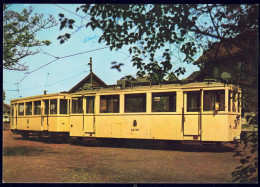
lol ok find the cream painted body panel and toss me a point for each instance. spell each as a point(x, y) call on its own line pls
point(234, 126)
point(148, 126)
point(33, 123)
point(179, 125)
point(76, 121)
point(42, 122)
point(191, 123)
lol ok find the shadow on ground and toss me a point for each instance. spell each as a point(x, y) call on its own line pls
point(47, 140)
point(155, 145)
point(136, 144)
point(25, 151)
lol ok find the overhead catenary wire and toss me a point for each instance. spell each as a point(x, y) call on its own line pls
point(71, 12)
point(82, 18)
point(10, 90)
point(58, 58)
point(67, 78)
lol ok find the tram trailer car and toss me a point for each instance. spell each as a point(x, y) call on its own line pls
point(201, 112)
point(42, 115)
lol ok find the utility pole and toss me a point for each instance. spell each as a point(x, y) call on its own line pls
point(91, 74)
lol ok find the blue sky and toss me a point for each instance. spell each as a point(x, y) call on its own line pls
point(63, 74)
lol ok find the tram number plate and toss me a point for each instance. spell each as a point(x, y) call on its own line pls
point(134, 129)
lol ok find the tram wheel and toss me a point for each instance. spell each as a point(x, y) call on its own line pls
point(25, 135)
point(218, 144)
point(39, 135)
point(80, 138)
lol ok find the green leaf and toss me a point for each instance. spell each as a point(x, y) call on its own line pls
point(71, 21)
point(93, 27)
point(62, 25)
point(67, 35)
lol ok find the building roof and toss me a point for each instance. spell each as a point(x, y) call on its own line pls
point(7, 106)
point(193, 76)
point(218, 50)
point(86, 79)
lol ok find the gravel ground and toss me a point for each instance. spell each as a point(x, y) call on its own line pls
point(57, 161)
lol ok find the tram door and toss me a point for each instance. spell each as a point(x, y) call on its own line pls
point(89, 114)
point(45, 115)
point(192, 113)
point(14, 114)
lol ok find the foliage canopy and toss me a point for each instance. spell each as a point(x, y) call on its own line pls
point(19, 36)
point(166, 30)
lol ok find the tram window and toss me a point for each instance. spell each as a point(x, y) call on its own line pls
point(164, 102)
point(234, 108)
point(53, 106)
point(46, 105)
point(229, 100)
point(90, 104)
point(238, 102)
point(12, 110)
point(63, 106)
point(28, 108)
point(77, 103)
point(135, 103)
point(109, 104)
point(193, 101)
point(211, 97)
point(21, 109)
point(37, 108)
point(232, 101)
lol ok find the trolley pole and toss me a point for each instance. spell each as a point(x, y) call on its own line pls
point(91, 74)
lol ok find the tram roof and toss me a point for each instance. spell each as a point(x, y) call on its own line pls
point(116, 88)
point(40, 96)
point(193, 85)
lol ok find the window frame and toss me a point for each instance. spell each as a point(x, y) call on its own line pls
point(172, 105)
point(19, 113)
point(135, 95)
point(44, 101)
point(239, 102)
point(67, 108)
point(222, 106)
point(108, 101)
point(232, 104)
point(90, 98)
point(31, 112)
point(50, 105)
point(34, 107)
point(72, 105)
point(12, 110)
point(188, 93)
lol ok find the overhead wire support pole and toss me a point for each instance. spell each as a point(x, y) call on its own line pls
point(91, 74)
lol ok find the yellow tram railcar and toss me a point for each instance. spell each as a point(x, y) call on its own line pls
point(202, 112)
point(42, 114)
